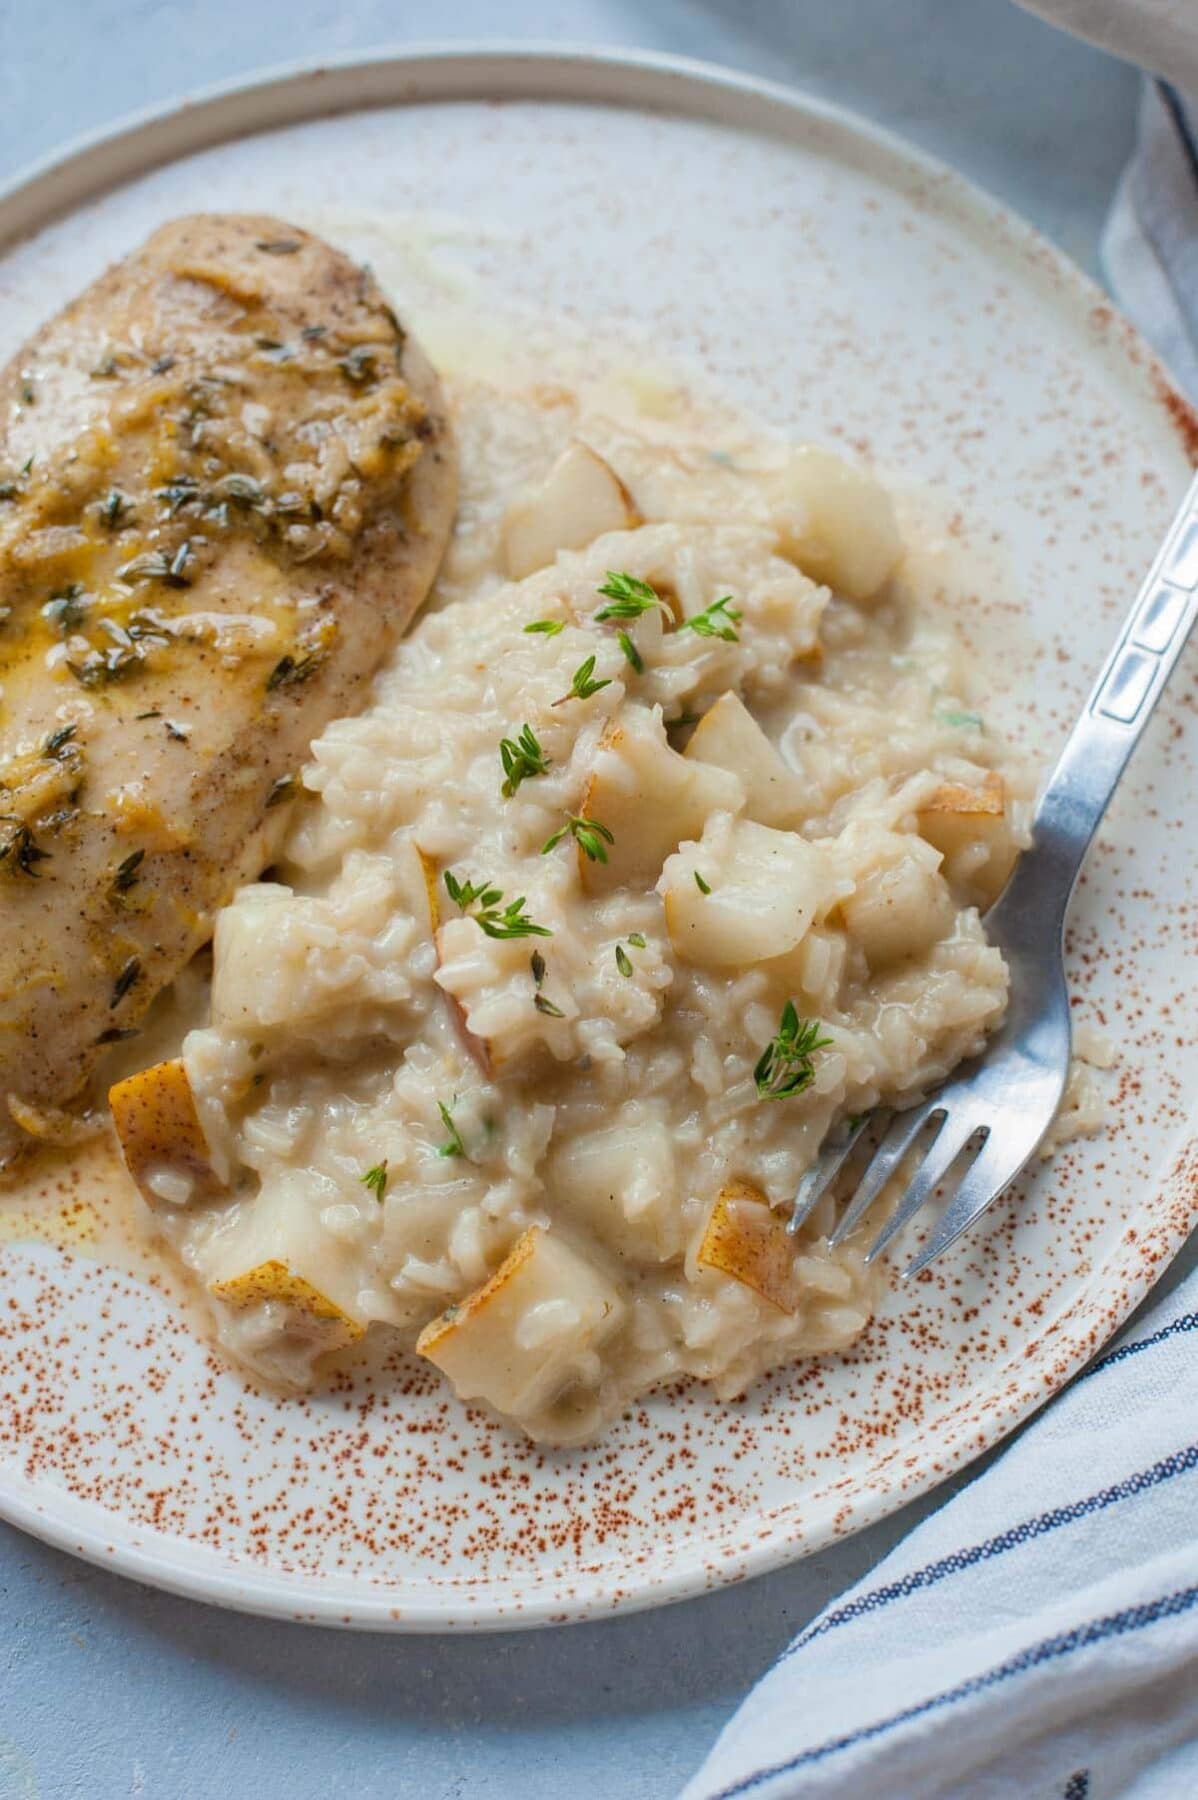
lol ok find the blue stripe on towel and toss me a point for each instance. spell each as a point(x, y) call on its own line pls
point(1079, 1637)
point(1187, 1322)
point(1181, 1462)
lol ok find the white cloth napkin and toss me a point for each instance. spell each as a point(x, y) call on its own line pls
point(1036, 1638)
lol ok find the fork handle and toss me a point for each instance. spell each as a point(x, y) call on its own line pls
point(1120, 705)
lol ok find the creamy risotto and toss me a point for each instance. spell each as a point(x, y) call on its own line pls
point(660, 851)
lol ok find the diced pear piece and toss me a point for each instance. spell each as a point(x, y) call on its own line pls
point(428, 870)
point(313, 1316)
point(580, 499)
point(620, 1182)
point(835, 521)
point(971, 828)
point(765, 887)
point(159, 1130)
point(749, 1242)
point(898, 909)
point(518, 1340)
point(729, 737)
point(477, 1047)
point(649, 797)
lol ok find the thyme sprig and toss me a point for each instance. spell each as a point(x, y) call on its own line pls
point(512, 922)
point(583, 684)
point(589, 834)
point(522, 757)
point(376, 1180)
point(785, 1066)
point(719, 620)
point(629, 597)
point(454, 1145)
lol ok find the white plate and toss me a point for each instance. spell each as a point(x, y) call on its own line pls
point(848, 290)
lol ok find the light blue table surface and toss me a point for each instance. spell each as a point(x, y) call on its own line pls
point(107, 1689)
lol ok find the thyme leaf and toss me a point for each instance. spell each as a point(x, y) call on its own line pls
point(376, 1180)
point(623, 960)
point(704, 887)
point(631, 653)
point(547, 1007)
point(24, 851)
point(126, 872)
point(719, 620)
point(546, 627)
point(454, 1146)
point(125, 981)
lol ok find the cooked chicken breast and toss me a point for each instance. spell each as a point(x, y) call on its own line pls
point(226, 482)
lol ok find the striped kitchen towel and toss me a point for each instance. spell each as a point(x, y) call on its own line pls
point(1035, 1639)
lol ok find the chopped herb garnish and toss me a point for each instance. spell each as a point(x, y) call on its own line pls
point(547, 627)
point(376, 1180)
point(243, 490)
point(114, 508)
point(719, 620)
point(24, 851)
point(521, 757)
point(126, 872)
point(361, 365)
point(67, 608)
point(636, 940)
point(959, 716)
point(536, 963)
point(280, 790)
point(178, 572)
point(629, 596)
point(152, 566)
point(125, 981)
point(588, 834)
point(289, 670)
point(631, 653)
point(703, 886)
point(311, 333)
point(510, 923)
point(58, 740)
point(152, 714)
point(454, 1146)
point(583, 685)
point(623, 960)
point(278, 246)
point(547, 1007)
point(785, 1066)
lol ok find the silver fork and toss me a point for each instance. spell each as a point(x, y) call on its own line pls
point(999, 1105)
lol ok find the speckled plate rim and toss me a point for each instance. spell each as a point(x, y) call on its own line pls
point(98, 162)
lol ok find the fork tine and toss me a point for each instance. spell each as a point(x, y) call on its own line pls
point(886, 1158)
point(824, 1170)
point(987, 1178)
point(951, 1139)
